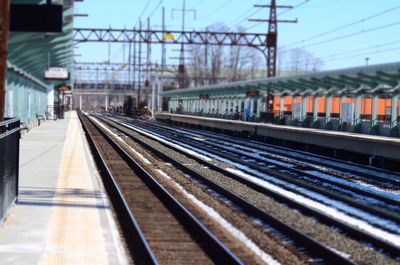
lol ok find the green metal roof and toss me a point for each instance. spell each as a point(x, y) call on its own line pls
point(383, 78)
point(32, 52)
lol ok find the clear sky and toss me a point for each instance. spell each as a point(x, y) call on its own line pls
point(342, 33)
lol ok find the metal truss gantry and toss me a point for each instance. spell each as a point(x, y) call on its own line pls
point(257, 40)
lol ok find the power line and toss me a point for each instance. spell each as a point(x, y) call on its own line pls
point(353, 34)
point(144, 10)
point(244, 14)
point(197, 4)
point(365, 53)
point(355, 52)
point(351, 56)
point(363, 49)
point(156, 8)
point(215, 11)
point(347, 25)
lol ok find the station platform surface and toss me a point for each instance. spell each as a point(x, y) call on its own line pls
point(62, 215)
point(372, 145)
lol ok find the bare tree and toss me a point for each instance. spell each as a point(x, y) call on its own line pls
point(299, 60)
point(215, 64)
point(197, 65)
point(216, 55)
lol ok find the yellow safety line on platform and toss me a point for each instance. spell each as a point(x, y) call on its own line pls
point(75, 231)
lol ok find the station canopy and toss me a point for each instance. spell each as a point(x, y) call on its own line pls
point(32, 53)
point(375, 79)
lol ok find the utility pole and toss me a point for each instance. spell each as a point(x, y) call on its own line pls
point(272, 40)
point(140, 70)
point(4, 27)
point(109, 49)
point(163, 46)
point(148, 80)
point(181, 67)
point(134, 62)
point(272, 45)
point(129, 62)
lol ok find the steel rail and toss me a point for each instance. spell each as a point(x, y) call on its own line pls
point(300, 172)
point(260, 145)
point(344, 169)
point(390, 249)
point(125, 216)
point(329, 255)
point(217, 251)
point(290, 179)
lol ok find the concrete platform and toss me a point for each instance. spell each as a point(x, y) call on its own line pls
point(372, 145)
point(62, 215)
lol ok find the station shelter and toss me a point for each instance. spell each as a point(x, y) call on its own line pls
point(362, 100)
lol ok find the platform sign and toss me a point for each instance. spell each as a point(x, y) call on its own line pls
point(297, 110)
point(347, 110)
point(56, 73)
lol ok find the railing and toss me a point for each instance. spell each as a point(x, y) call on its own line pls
point(394, 124)
point(9, 163)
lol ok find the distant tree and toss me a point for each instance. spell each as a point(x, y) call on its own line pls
point(298, 60)
point(197, 65)
point(211, 64)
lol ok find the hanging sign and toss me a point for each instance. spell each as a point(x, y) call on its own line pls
point(56, 73)
point(36, 18)
point(347, 110)
point(297, 110)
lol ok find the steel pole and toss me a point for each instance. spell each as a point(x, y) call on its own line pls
point(4, 28)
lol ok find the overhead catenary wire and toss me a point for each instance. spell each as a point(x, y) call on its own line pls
point(215, 11)
point(239, 19)
point(156, 8)
point(288, 65)
point(346, 25)
point(354, 52)
point(198, 4)
point(353, 34)
point(144, 10)
point(363, 49)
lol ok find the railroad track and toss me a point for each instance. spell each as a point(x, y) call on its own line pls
point(255, 211)
point(385, 207)
point(158, 229)
point(375, 176)
point(379, 205)
point(352, 231)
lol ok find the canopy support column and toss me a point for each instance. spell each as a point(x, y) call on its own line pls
point(342, 100)
point(357, 110)
point(282, 105)
point(304, 108)
point(258, 107)
point(315, 108)
point(328, 107)
point(395, 105)
point(374, 108)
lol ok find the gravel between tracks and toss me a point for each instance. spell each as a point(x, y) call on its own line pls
point(169, 240)
point(357, 251)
